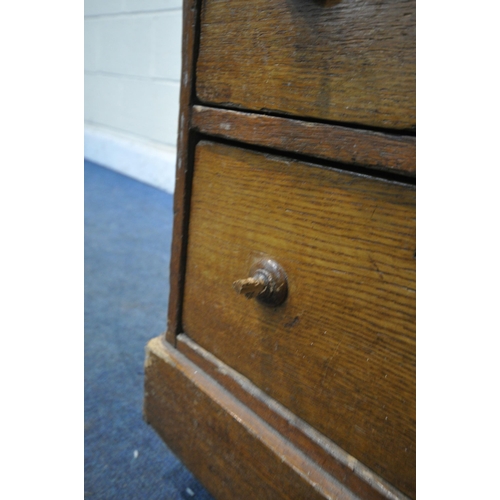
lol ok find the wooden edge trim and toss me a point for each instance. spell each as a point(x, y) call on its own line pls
point(183, 171)
point(375, 150)
point(326, 454)
point(306, 472)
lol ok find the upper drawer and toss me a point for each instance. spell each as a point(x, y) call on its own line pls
point(346, 61)
point(340, 351)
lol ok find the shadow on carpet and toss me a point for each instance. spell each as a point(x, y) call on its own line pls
point(128, 229)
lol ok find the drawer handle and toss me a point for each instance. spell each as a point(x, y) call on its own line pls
point(267, 282)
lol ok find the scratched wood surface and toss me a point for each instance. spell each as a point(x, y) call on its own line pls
point(182, 170)
point(235, 454)
point(340, 353)
point(345, 61)
point(375, 150)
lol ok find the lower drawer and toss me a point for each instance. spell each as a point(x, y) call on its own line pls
point(340, 351)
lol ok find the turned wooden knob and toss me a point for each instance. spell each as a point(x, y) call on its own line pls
point(267, 283)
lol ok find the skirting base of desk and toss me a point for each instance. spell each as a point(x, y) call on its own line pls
point(228, 447)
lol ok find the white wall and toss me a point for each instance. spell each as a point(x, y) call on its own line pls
point(132, 74)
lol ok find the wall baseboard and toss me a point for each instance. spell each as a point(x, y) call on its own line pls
point(140, 159)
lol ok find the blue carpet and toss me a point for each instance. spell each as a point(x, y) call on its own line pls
point(128, 229)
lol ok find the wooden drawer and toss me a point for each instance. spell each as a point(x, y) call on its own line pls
point(345, 61)
point(340, 351)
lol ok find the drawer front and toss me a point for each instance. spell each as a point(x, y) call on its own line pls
point(345, 61)
point(340, 351)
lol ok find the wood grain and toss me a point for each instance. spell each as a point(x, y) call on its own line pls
point(365, 148)
point(333, 460)
point(183, 172)
point(350, 61)
point(233, 453)
point(340, 352)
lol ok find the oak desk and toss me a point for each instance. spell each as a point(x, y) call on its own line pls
point(288, 366)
